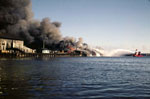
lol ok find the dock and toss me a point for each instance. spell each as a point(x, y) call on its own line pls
point(21, 55)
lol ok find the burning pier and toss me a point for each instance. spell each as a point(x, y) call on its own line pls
point(12, 47)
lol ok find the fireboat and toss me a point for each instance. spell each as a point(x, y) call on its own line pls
point(137, 54)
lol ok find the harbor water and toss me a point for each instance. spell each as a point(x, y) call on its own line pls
point(75, 77)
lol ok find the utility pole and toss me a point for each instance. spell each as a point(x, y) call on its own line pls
point(43, 44)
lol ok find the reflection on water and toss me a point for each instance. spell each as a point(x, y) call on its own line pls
point(74, 78)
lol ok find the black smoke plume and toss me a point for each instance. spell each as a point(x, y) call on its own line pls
point(16, 18)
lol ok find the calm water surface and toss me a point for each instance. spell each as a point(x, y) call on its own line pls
point(46, 78)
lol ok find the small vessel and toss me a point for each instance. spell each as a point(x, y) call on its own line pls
point(137, 54)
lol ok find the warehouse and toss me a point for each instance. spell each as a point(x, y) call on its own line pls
point(8, 45)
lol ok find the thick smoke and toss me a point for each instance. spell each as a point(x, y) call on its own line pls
point(14, 11)
point(16, 18)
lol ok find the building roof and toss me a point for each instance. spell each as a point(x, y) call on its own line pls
point(10, 36)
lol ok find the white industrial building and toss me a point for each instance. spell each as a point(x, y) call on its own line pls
point(8, 44)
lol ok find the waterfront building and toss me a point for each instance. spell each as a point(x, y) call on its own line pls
point(8, 45)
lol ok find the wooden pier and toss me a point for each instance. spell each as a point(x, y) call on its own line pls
point(21, 55)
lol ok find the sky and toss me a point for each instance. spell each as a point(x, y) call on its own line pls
point(110, 24)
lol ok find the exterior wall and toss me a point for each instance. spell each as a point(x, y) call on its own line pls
point(46, 51)
point(5, 43)
point(28, 50)
point(18, 44)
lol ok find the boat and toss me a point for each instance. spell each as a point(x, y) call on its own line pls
point(137, 54)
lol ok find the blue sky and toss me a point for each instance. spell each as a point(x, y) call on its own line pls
point(107, 23)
